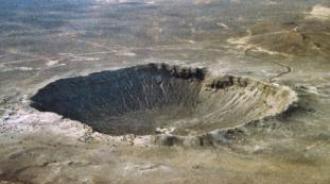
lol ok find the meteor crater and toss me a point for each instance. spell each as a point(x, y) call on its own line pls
point(157, 98)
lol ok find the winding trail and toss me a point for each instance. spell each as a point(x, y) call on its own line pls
point(288, 69)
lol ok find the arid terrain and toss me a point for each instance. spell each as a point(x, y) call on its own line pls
point(238, 91)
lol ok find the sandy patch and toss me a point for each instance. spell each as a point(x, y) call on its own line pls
point(319, 12)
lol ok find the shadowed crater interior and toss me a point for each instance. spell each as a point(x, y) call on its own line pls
point(145, 99)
